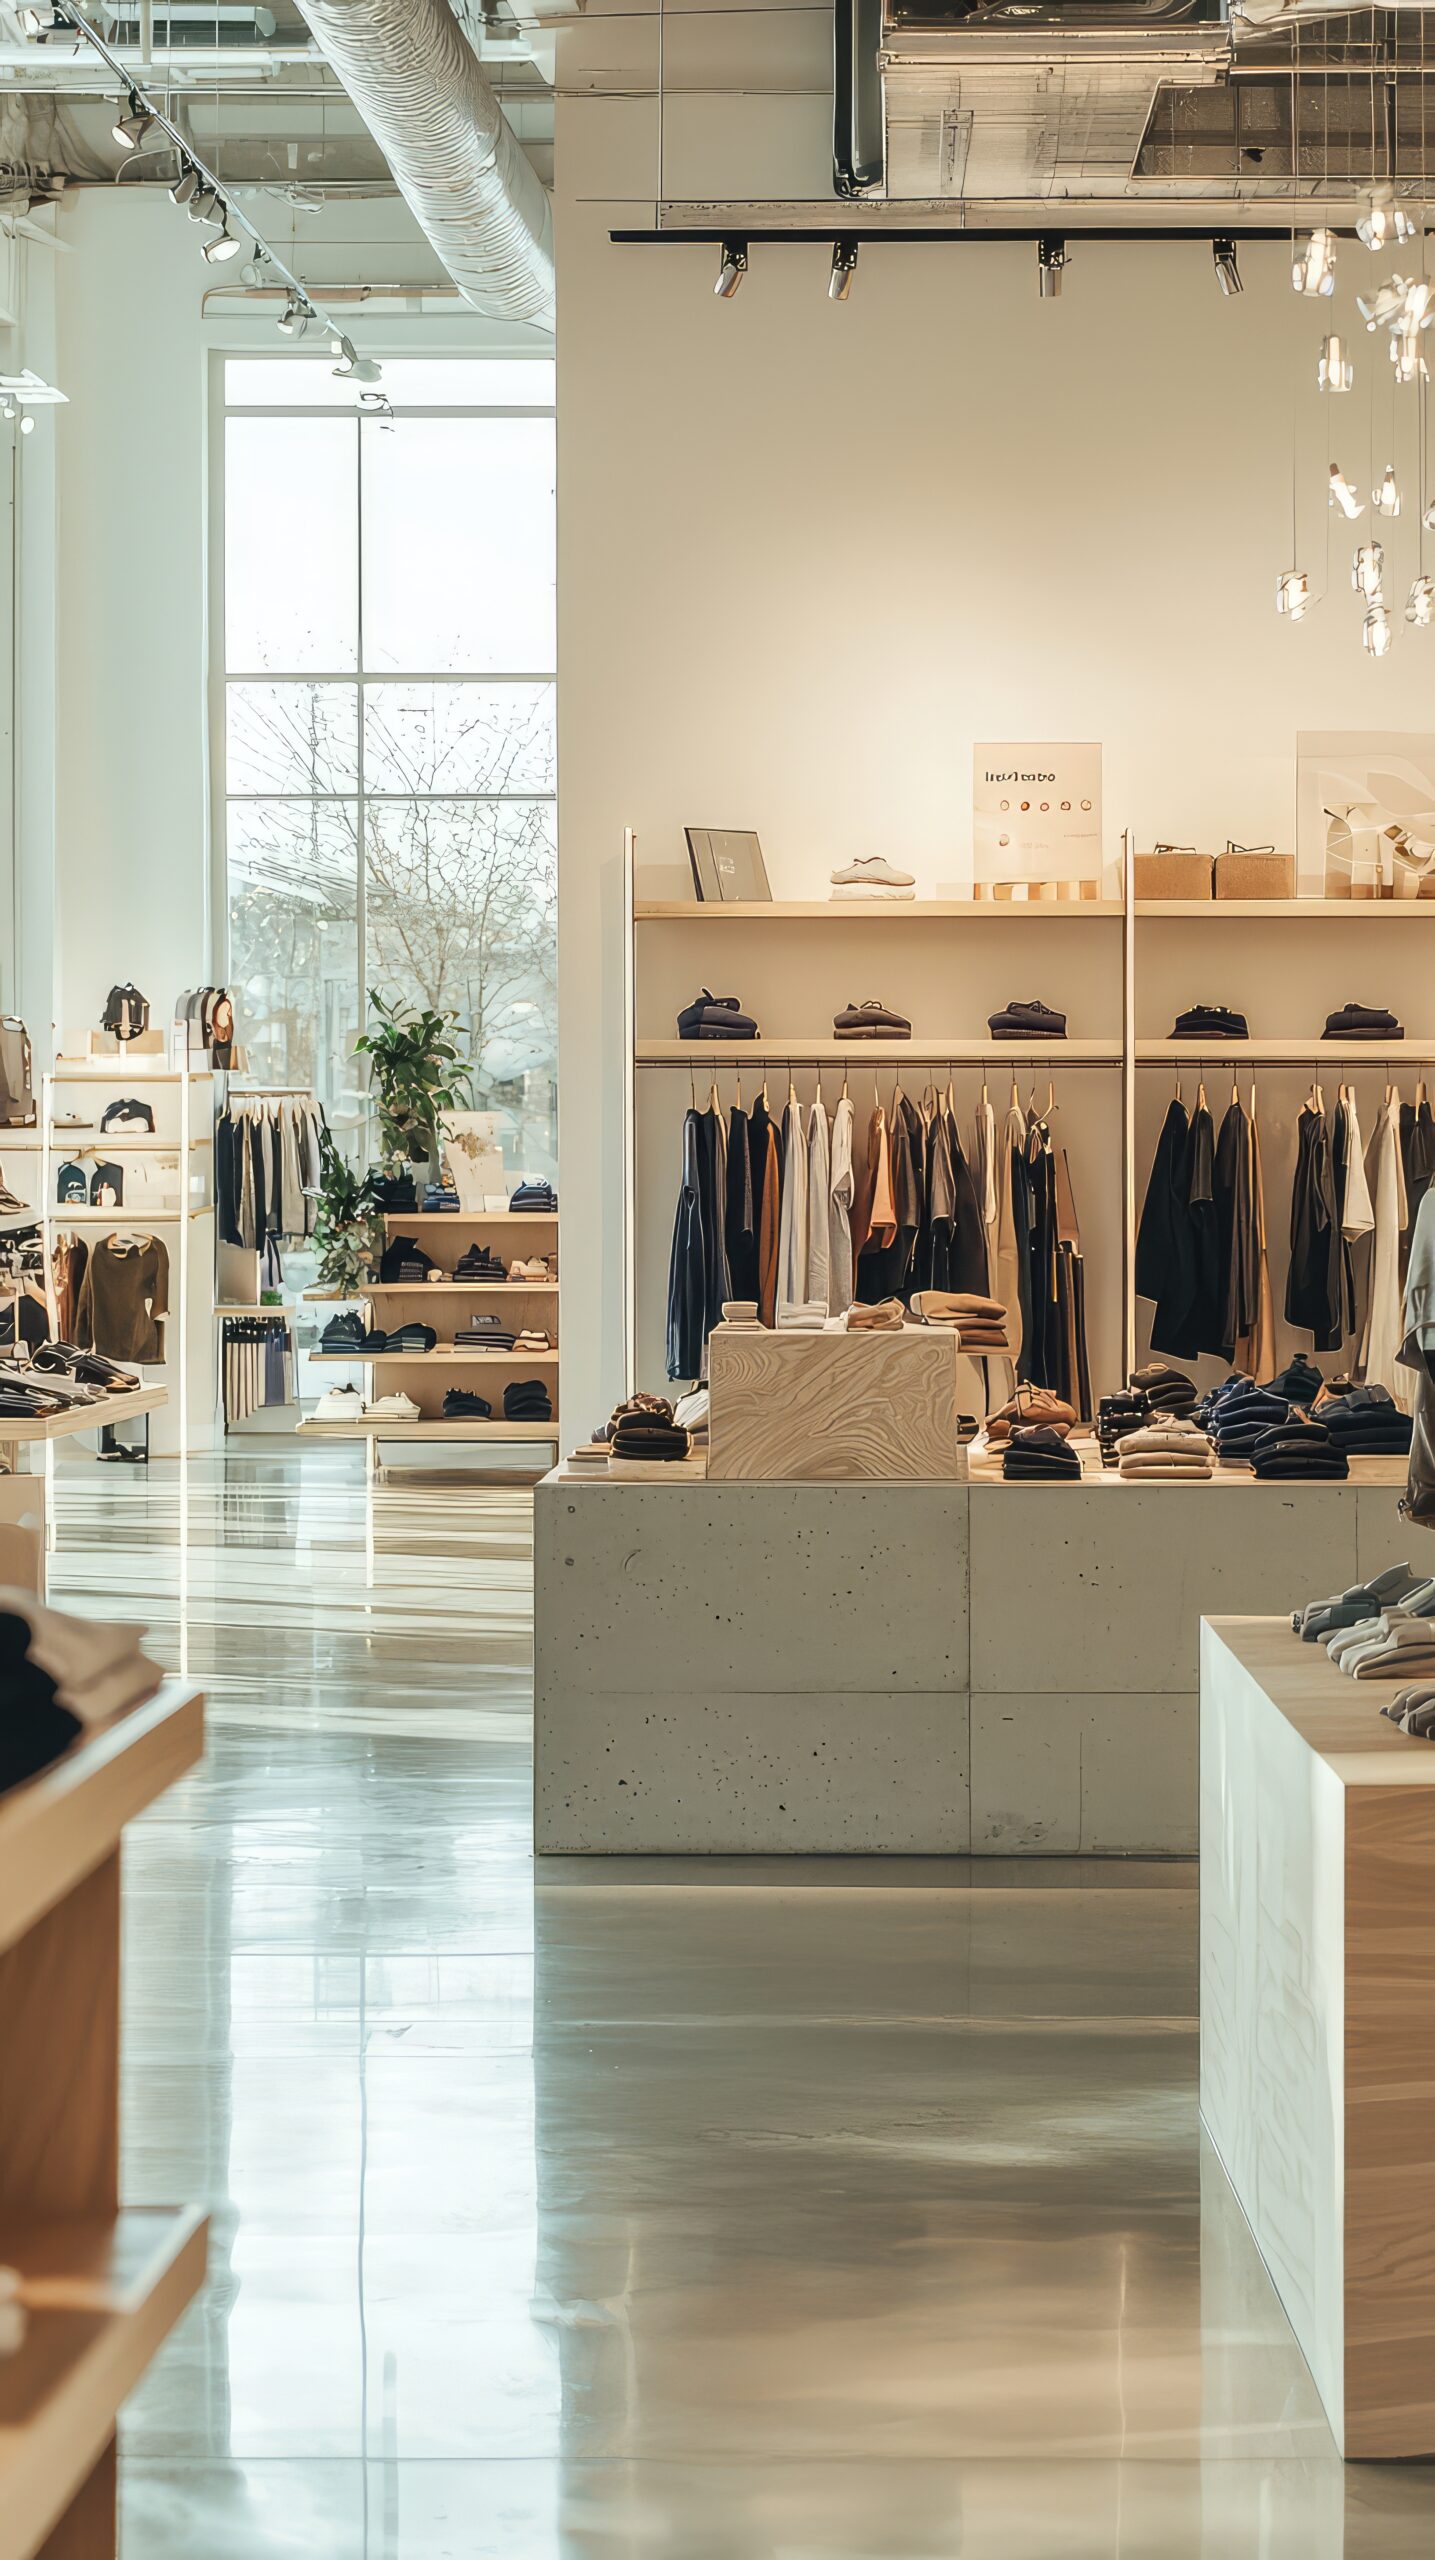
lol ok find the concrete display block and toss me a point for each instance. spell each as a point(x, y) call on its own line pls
point(1057, 1774)
point(768, 1773)
point(839, 1408)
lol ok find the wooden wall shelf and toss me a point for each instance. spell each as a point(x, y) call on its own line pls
point(82, 1417)
point(881, 911)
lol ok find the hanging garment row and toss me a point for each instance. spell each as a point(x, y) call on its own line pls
point(803, 1211)
point(266, 1168)
point(1201, 1246)
point(258, 1364)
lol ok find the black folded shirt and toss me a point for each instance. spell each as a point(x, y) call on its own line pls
point(1027, 1020)
point(461, 1405)
point(1038, 1452)
point(1210, 1022)
point(1362, 1022)
point(527, 1400)
point(711, 1017)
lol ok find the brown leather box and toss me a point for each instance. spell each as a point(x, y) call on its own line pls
point(1255, 875)
point(1169, 874)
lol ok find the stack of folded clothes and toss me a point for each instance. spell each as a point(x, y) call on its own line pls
point(404, 1261)
point(1362, 1022)
point(647, 1439)
point(343, 1334)
point(59, 1674)
point(1321, 1618)
point(1166, 1452)
point(484, 1333)
point(539, 1197)
point(980, 1323)
point(1028, 1408)
point(871, 1021)
point(394, 1193)
point(531, 1338)
point(1238, 1416)
point(1298, 1450)
point(1300, 1381)
point(439, 1196)
point(711, 1017)
point(412, 1338)
point(1040, 1453)
point(480, 1263)
point(1166, 1390)
point(1117, 1415)
point(1029, 1020)
point(1396, 1645)
point(527, 1400)
point(872, 876)
point(460, 1404)
point(1210, 1022)
point(1414, 1711)
point(801, 1315)
point(641, 1407)
point(1366, 1422)
point(887, 1316)
point(690, 1414)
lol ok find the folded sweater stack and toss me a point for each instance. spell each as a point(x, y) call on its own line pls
point(1027, 1018)
point(887, 1316)
point(1166, 1452)
point(1238, 1423)
point(1396, 1586)
point(711, 1017)
point(1367, 1423)
point(1395, 1646)
point(1167, 1390)
point(644, 1440)
point(527, 1400)
point(980, 1323)
point(57, 1675)
point(1031, 1408)
point(1298, 1450)
point(1040, 1454)
point(1414, 1711)
point(1116, 1417)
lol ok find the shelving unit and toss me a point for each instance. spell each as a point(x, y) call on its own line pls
point(15, 1433)
point(880, 911)
point(102, 2286)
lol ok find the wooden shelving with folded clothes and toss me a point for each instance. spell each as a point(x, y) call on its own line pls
point(885, 911)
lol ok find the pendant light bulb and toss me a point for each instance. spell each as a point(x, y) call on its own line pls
point(1384, 223)
point(844, 268)
point(1420, 608)
point(1367, 571)
point(1342, 495)
point(27, 425)
point(1376, 632)
point(1293, 594)
point(1335, 371)
point(1313, 268)
point(1386, 499)
point(731, 270)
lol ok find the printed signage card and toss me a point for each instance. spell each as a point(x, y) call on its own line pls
point(1036, 812)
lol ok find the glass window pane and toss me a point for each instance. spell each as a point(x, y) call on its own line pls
point(293, 947)
point(458, 545)
point(437, 382)
point(292, 737)
point(290, 545)
point(460, 737)
point(461, 914)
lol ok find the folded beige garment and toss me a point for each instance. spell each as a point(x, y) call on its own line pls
point(1168, 1465)
point(949, 1306)
point(888, 1316)
point(1167, 1435)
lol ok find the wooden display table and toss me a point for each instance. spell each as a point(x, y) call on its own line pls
point(102, 2287)
point(1318, 2013)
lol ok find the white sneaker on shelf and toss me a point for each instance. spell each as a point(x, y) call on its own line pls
point(392, 1408)
point(339, 1404)
point(532, 1270)
point(872, 871)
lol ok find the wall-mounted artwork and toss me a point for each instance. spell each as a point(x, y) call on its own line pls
point(1036, 812)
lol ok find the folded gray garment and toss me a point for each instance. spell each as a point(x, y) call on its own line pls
point(1388, 1662)
point(1393, 1626)
point(1393, 1584)
point(1414, 1711)
point(802, 1316)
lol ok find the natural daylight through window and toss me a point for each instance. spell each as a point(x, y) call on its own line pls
point(388, 722)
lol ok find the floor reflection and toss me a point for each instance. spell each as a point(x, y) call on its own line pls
point(742, 2210)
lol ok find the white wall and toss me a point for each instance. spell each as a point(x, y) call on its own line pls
point(810, 553)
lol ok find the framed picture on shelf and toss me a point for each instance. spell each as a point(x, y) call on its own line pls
point(727, 866)
point(1036, 812)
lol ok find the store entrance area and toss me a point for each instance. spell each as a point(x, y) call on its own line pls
point(612, 2207)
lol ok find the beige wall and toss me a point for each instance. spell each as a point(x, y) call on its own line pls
point(809, 554)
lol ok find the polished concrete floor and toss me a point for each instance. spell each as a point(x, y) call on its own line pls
point(640, 2211)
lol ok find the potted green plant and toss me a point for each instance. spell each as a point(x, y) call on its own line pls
point(418, 1073)
point(348, 1224)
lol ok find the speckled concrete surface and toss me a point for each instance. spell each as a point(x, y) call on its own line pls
point(1075, 1774)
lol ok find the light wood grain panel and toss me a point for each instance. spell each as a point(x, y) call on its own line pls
point(59, 2056)
point(88, 2529)
point(838, 1408)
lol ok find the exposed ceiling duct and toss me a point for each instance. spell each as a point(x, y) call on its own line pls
point(429, 105)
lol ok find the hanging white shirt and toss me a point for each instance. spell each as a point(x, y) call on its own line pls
point(1384, 1326)
point(792, 1227)
point(840, 1273)
point(819, 1189)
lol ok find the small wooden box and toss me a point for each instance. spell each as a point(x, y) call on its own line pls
point(1255, 875)
point(1171, 875)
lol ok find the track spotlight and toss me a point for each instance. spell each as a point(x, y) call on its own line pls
point(27, 425)
point(224, 245)
point(130, 130)
point(1376, 632)
point(1228, 274)
point(294, 318)
point(1050, 265)
point(352, 367)
point(1420, 608)
point(1342, 495)
point(205, 204)
point(1386, 499)
point(1335, 372)
point(844, 268)
point(732, 270)
point(184, 186)
point(1384, 223)
point(1293, 594)
point(1313, 268)
point(43, 23)
point(1367, 571)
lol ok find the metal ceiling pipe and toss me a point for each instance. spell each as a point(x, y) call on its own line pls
point(426, 99)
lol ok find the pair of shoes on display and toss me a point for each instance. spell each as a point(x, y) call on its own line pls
point(535, 1270)
point(63, 1364)
point(538, 1198)
point(345, 1404)
point(872, 876)
point(479, 1263)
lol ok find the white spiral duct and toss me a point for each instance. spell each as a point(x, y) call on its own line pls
point(426, 99)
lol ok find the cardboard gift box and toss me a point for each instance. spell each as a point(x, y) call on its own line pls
point(1254, 875)
point(1171, 872)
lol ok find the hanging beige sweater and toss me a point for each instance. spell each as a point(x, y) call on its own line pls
point(1004, 1277)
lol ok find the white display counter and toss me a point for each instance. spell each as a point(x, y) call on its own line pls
point(930, 1669)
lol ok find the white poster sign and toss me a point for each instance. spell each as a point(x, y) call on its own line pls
point(1036, 812)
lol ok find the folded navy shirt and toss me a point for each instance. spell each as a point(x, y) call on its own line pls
point(1362, 1022)
point(711, 1017)
point(1028, 1019)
